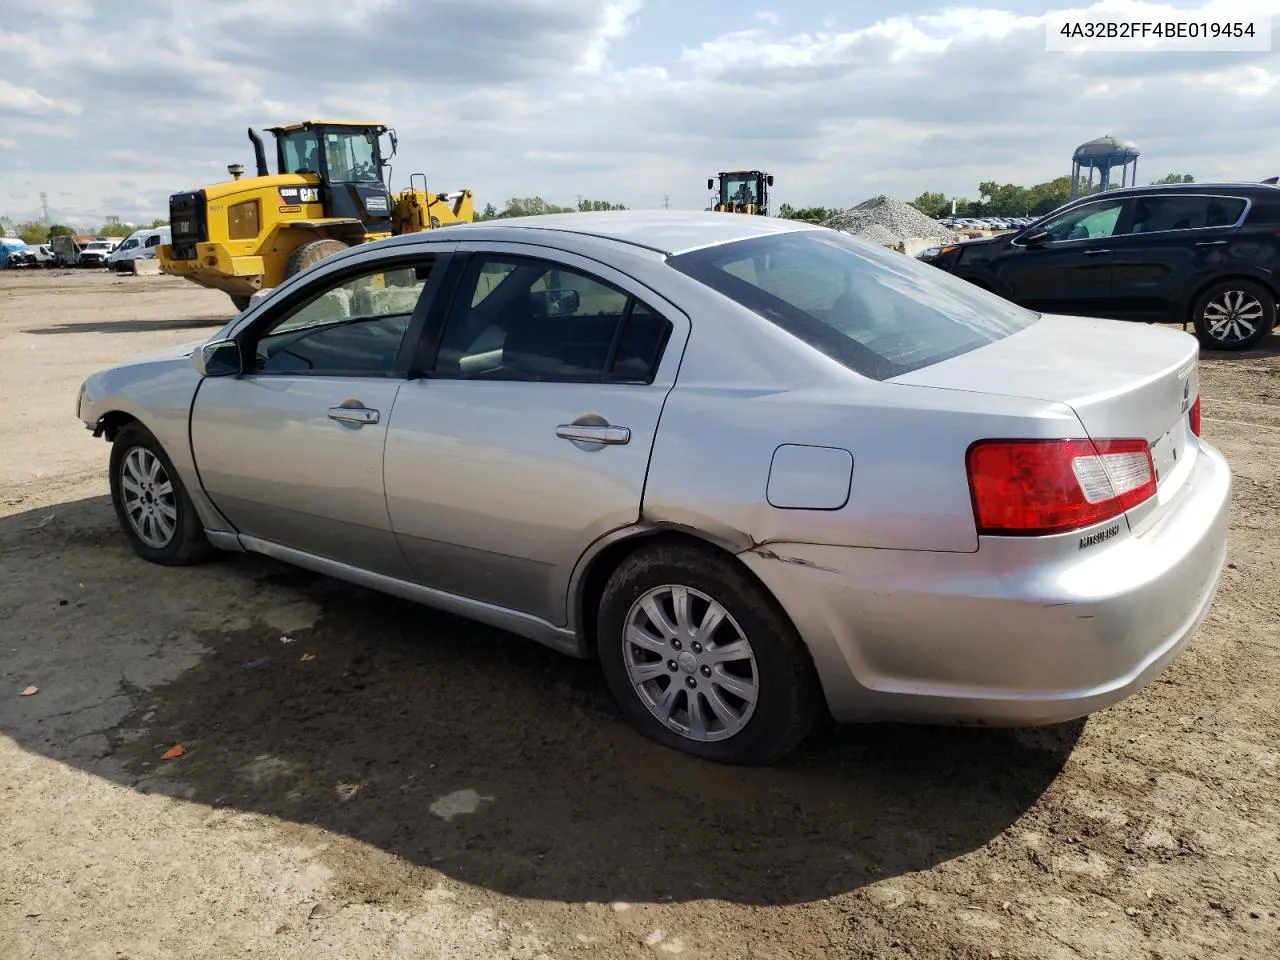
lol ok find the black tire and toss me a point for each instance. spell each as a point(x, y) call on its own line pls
point(188, 544)
point(788, 698)
point(311, 253)
point(240, 302)
point(1251, 301)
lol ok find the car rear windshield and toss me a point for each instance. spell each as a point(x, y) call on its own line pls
point(877, 311)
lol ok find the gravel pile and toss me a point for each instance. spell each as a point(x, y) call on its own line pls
point(874, 233)
point(886, 216)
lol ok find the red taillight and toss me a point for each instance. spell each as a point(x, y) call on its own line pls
point(1194, 416)
point(1030, 487)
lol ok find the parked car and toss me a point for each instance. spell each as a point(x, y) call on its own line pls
point(759, 468)
point(139, 245)
point(95, 253)
point(1205, 254)
point(31, 256)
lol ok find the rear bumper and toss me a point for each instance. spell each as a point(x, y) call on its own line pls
point(1020, 632)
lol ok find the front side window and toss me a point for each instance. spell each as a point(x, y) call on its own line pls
point(517, 318)
point(352, 328)
point(739, 190)
point(351, 156)
point(1085, 222)
point(874, 310)
point(299, 152)
point(1178, 212)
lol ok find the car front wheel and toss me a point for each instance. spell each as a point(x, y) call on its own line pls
point(702, 660)
point(1234, 315)
point(152, 505)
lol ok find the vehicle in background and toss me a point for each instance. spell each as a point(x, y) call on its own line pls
point(8, 247)
point(139, 245)
point(1200, 253)
point(761, 469)
point(330, 191)
point(31, 256)
point(741, 191)
point(95, 253)
point(66, 249)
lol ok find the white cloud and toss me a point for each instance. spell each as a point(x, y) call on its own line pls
point(31, 102)
point(565, 97)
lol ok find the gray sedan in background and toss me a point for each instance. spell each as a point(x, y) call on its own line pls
point(763, 471)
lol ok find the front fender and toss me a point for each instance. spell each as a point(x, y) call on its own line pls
point(157, 392)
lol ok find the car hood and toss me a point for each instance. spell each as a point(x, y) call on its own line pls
point(172, 353)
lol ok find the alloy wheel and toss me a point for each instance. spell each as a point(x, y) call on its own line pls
point(148, 496)
point(1233, 315)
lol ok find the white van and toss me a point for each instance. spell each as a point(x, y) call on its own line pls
point(139, 245)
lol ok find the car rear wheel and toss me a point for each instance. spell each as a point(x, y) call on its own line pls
point(702, 660)
point(151, 504)
point(1234, 315)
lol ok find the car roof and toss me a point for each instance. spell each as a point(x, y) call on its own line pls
point(668, 232)
point(1216, 187)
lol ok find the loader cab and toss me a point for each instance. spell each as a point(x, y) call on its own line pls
point(742, 191)
point(347, 157)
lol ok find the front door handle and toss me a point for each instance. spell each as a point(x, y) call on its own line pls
point(1093, 253)
point(591, 433)
point(358, 416)
point(1212, 243)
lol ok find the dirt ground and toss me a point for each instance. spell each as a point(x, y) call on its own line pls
point(366, 778)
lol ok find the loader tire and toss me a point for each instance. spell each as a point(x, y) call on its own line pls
point(311, 253)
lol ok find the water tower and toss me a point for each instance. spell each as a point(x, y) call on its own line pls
point(1105, 154)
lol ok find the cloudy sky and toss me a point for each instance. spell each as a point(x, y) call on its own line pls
point(110, 106)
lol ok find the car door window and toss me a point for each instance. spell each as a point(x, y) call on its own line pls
point(1176, 212)
point(517, 318)
point(352, 328)
point(1086, 222)
point(152, 242)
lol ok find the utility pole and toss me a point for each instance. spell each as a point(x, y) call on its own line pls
point(666, 201)
point(44, 206)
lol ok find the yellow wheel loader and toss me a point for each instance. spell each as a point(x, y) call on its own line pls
point(741, 191)
point(251, 233)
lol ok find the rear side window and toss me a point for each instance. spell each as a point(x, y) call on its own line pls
point(876, 311)
point(522, 318)
point(1153, 214)
point(1265, 211)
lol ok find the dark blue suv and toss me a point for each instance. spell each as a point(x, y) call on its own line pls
point(1200, 253)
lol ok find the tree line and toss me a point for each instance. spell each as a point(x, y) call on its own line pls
point(536, 206)
point(1013, 200)
point(994, 200)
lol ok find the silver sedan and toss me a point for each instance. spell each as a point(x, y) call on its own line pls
point(761, 470)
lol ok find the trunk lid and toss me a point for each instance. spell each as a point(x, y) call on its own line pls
point(1122, 379)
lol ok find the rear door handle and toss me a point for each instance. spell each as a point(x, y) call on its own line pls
point(354, 415)
point(1212, 243)
point(590, 433)
point(1094, 253)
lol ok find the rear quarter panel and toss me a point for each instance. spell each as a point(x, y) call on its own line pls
point(909, 491)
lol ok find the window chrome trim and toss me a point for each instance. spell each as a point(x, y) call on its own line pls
point(1248, 205)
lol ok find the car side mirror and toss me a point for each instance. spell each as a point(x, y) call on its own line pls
point(711, 184)
point(1037, 237)
point(558, 303)
point(221, 358)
